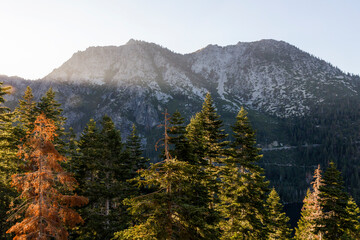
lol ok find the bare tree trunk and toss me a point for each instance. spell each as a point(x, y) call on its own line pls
point(107, 201)
point(40, 199)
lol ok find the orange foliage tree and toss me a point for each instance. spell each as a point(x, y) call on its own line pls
point(46, 189)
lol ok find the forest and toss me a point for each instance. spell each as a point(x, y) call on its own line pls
point(207, 184)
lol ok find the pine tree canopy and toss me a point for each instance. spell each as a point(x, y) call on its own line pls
point(333, 202)
point(243, 189)
point(311, 212)
point(278, 221)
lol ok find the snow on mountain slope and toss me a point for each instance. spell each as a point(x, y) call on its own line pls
point(270, 76)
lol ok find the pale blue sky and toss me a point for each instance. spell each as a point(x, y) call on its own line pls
point(39, 35)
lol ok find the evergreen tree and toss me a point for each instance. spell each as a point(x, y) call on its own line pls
point(71, 150)
point(51, 108)
point(102, 169)
point(115, 171)
point(24, 114)
point(46, 209)
point(8, 160)
point(134, 152)
point(83, 163)
point(352, 221)
point(278, 221)
point(243, 191)
point(197, 140)
point(7, 139)
point(84, 166)
point(178, 208)
point(206, 135)
point(333, 202)
point(72, 144)
point(311, 211)
point(207, 140)
point(181, 146)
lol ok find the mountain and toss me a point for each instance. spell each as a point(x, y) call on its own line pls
point(295, 100)
point(271, 76)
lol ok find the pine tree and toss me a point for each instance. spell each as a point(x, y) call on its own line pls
point(278, 221)
point(206, 135)
point(181, 147)
point(72, 145)
point(178, 208)
point(333, 202)
point(197, 140)
point(102, 169)
point(311, 211)
point(352, 221)
point(207, 140)
point(243, 191)
point(51, 108)
point(84, 166)
point(24, 114)
point(134, 152)
point(8, 159)
point(115, 171)
point(7, 139)
point(46, 189)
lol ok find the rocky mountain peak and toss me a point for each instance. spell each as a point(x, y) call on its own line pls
point(268, 75)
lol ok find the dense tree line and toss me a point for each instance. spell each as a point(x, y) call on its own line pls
point(331, 131)
point(203, 187)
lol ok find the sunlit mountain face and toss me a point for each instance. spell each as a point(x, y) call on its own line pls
point(305, 110)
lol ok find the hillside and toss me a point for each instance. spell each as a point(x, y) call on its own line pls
point(295, 100)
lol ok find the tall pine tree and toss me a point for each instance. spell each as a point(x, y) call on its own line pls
point(8, 160)
point(243, 191)
point(311, 211)
point(102, 168)
point(207, 139)
point(333, 201)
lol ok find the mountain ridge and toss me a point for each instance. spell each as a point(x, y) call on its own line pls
point(293, 99)
point(219, 68)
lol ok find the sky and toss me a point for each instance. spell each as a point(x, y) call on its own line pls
point(38, 36)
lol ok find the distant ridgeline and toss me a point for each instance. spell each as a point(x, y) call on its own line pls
point(304, 110)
